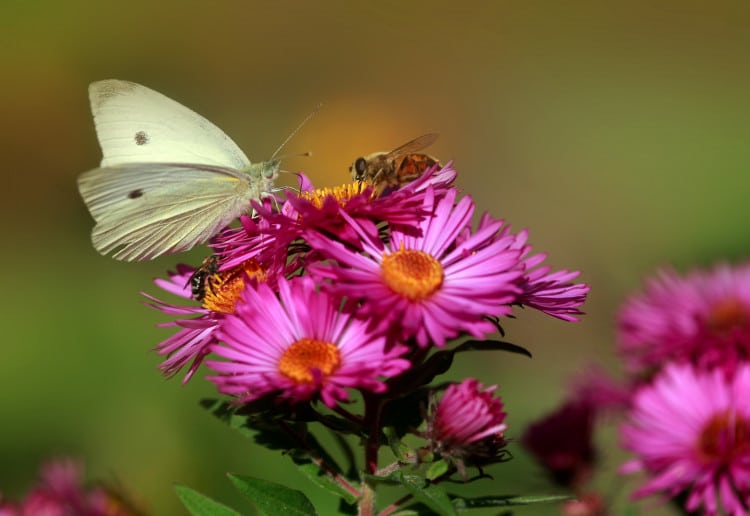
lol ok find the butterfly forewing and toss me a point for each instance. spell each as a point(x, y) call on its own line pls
point(136, 124)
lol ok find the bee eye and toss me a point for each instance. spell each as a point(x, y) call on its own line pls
point(360, 165)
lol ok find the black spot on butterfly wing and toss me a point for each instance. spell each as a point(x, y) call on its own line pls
point(141, 138)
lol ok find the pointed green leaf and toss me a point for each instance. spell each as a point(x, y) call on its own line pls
point(492, 345)
point(431, 495)
point(201, 505)
point(321, 479)
point(271, 498)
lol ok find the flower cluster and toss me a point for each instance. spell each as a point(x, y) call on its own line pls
point(686, 345)
point(344, 295)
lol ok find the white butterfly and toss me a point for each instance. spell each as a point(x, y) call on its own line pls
point(169, 179)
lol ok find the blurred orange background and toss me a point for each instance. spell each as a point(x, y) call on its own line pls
point(618, 134)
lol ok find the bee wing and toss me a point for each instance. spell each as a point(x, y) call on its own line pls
point(135, 124)
point(153, 209)
point(415, 145)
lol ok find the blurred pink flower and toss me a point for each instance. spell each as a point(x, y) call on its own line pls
point(702, 317)
point(690, 430)
point(61, 491)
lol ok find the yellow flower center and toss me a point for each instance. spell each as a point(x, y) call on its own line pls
point(726, 436)
point(302, 359)
point(728, 315)
point(412, 274)
point(224, 288)
point(341, 193)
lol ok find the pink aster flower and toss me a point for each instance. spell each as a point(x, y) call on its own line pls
point(198, 323)
point(553, 293)
point(468, 423)
point(691, 432)
point(299, 345)
point(703, 317)
point(273, 230)
point(427, 286)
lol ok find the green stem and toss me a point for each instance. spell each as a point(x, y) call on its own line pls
point(367, 502)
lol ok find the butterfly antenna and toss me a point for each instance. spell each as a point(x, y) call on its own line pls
point(307, 118)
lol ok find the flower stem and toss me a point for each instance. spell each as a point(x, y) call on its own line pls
point(373, 413)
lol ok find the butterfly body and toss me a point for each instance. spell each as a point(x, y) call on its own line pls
point(169, 179)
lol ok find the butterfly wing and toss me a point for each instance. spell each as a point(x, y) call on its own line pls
point(136, 124)
point(152, 209)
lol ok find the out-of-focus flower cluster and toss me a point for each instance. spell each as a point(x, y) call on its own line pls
point(685, 345)
point(336, 291)
point(61, 491)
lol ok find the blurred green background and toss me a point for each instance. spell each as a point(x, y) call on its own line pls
point(617, 133)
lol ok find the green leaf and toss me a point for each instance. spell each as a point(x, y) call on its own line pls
point(271, 498)
point(492, 345)
point(324, 480)
point(506, 501)
point(436, 469)
point(201, 505)
point(431, 495)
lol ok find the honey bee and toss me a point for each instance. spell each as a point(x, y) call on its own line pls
point(199, 281)
point(395, 168)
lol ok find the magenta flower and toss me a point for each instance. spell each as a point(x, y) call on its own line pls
point(468, 423)
point(427, 286)
point(325, 210)
point(198, 323)
point(298, 345)
point(550, 292)
point(691, 432)
point(703, 317)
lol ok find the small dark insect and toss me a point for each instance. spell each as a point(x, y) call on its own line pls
point(135, 194)
point(199, 281)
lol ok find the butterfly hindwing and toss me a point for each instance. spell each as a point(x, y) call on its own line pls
point(151, 209)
